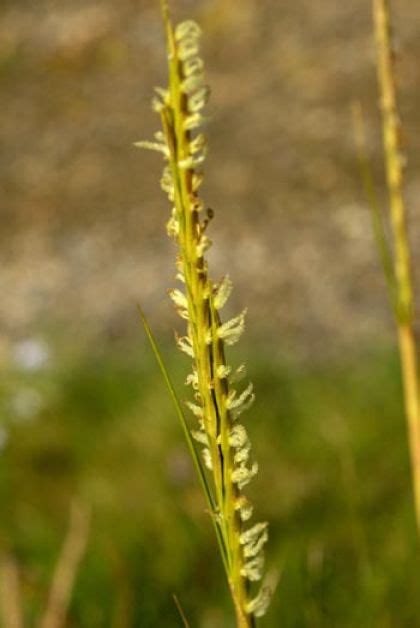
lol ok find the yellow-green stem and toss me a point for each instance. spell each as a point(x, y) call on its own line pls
point(230, 515)
point(402, 263)
point(410, 371)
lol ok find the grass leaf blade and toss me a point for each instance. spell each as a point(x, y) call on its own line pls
point(366, 175)
point(179, 410)
point(181, 612)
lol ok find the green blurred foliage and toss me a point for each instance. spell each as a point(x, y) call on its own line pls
point(334, 484)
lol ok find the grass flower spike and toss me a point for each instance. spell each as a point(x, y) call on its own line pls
point(216, 404)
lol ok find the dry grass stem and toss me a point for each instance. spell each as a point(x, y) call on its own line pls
point(66, 568)
point(10, 597)
point(394, 161)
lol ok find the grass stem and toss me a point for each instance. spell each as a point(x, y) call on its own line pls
point(394, 162)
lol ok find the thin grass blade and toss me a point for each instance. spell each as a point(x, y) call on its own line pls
point(178, 407)
point(180, 610)
point(366, 175)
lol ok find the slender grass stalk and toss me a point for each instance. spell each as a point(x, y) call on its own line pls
point(217, 404)
point(11, 607)
point(62, 584)
point(66, 569)
point(402, 263)
point(365, 168)
point(180, 610)
point(193, 451)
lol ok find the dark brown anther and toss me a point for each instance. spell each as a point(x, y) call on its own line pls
point(205, 223)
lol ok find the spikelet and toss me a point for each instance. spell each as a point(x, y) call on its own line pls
point(223, 371)
point(186, 29)
point(184, 344)
point(242, 455)
point(222, 292)
point(231, 331)
point(253, 568)
point(203, 245)
point(198, 100)
point(198, 144)
point(180, 268)
point(200, 436)
point(258, 606)
point(157, 146)
point(196, 181)
point(192, 380)
point(163, 95)
point(179, 299)
point(242, 402)
point(238, 436)
point(194, 66)
point(244, 507)
point(192, 83)
point(238, 375)
point(226, 449)
point(172, 227)
point(181, 304)
point(167, 184)
point(207, 459)
point(254, 547)
point(192, 122)
point(236, 412)
point(196, 410)
point(242, 475)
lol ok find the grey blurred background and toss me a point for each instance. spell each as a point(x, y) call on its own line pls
point(82, 214)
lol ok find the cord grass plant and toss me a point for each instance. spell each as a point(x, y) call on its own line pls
point(217, 404)
point(400, 283)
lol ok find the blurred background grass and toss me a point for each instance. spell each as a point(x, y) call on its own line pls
point(84, 409)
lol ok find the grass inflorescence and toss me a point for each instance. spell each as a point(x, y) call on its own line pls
point(217, 403)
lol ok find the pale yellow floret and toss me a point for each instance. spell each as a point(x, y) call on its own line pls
point(258, 605)
point(223, 292)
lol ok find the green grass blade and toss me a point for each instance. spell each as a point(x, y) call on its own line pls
point(180, 610)
point(366, 175)
point(180, 412)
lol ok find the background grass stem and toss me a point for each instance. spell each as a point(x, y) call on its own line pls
point(394, 162)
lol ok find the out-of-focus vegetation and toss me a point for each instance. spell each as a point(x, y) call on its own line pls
point(335, 487)
point(83, 409)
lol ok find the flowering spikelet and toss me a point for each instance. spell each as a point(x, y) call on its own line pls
point(184, 344)
point(222, 292)
point(245, 508)
point(258, 606)
point(231, 331)
point(216, 406)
